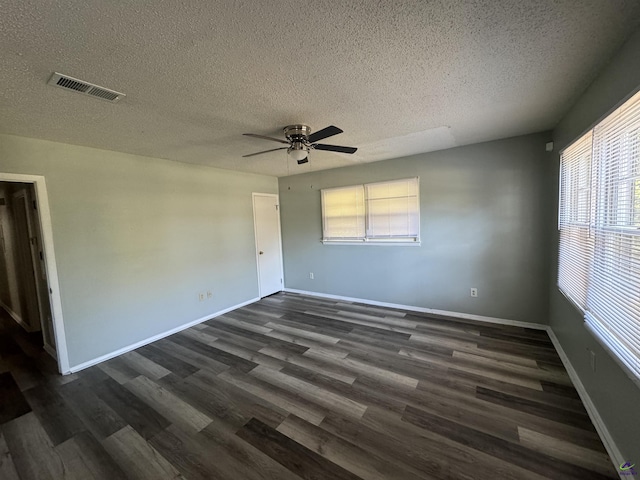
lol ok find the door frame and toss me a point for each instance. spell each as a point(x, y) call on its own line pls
point(44, 215)
point(255, 235)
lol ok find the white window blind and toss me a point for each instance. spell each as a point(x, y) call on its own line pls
point(382, 212)
point(574, 218)
point(599, 221)
point(392, 209)
point(613, 300)
point(343, 213)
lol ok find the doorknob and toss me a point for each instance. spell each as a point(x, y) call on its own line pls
point(261, 252)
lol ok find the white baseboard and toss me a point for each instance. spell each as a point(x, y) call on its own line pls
point(596, 419)
point(17, 318)
point(50, 351)
point(411, 308)
point(155, 338)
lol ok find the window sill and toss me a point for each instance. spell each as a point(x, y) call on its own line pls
point(372, 243)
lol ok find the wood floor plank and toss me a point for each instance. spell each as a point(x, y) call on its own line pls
point(194, 458)
point(138, 458)
point(255, 357)
point(470, 367)
point(511, 452)
point(210, 351)
point(313, 345)
point(355, 391)
point(7, 468)
point(133, 410)
point(12, 401)
point(208, 401)
point(563, 450)
point(556, 376)
point(420, 451)
point(56, 416)
point(332, 369)
point(196, 359)
point(311, 392)
point(96, 415)
point(170, 362)
point(86, 458)
point(343, 453)
point(286, 400)
point(579, 420)
point(245, 325)
point(230, 398)
point(31, 449)
point(167, 404)
point(252, 459)
point(365, 368)
point(300, 332)
point(144, 366)
point(295, 457)
point(118, 369)
point(73, 464)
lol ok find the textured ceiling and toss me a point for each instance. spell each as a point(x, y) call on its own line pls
point(399, 77)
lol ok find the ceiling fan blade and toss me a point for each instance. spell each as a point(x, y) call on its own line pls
point(329, 131)
point(265, 151)
point(334, 148)
point(266, 138)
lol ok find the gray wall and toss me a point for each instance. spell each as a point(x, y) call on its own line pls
point(137, 238)
point(614, 395)
point(483, 224)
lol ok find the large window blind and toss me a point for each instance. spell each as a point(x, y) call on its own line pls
point(343, 213)
point(382, 212)
point(609, 289)
point(392, 209)
point(576, 243)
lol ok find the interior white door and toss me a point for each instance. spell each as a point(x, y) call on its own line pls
point(266, 219)
point(27, 274)
point(40, 271)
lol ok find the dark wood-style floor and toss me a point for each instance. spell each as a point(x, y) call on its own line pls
point(300, 387)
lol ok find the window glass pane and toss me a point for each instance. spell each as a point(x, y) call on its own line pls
point(343, 213)
point(393, 209)
point(576, 244)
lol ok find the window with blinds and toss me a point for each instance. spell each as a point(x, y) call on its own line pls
point(382, 212)
point(599, 260)
point(574, 218)
point(343, 213)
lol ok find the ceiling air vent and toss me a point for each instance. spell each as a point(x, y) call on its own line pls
point(80, 86)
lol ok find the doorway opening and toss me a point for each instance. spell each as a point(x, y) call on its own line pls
point(28, 277)
point(266, 223)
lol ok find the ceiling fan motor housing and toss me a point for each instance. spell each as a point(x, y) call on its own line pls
point(297, 133)
point(298, 136)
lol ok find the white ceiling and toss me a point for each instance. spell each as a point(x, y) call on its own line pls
point(399, 77)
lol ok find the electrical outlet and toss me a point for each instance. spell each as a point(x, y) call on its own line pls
point(209, 294)
point(311, 275)
point(474, 292)
point(201, 296)
point(592, 359)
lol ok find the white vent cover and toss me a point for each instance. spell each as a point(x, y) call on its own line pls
point(80, 86)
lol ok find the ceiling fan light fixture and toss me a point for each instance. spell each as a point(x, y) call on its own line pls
point(298, 151)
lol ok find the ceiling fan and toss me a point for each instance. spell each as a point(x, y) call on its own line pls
point(301, 141)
